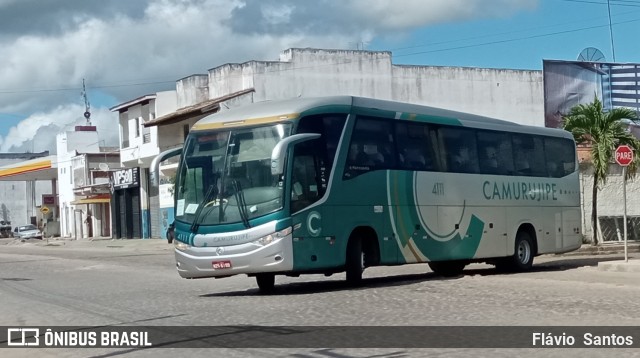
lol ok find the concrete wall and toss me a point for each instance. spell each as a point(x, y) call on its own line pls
point(610, 196)
point(515, 95)
point(171, 136)
point(191, 90)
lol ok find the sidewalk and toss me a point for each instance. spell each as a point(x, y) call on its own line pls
point(606, 248)
point(611, 248)
point(92, 243)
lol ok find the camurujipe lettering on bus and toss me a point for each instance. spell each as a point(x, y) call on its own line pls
point(519, 191)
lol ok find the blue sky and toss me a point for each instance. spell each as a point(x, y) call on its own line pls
point(125, 50)
point(556, 29)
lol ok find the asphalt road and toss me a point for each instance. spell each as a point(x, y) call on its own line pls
point(135, 284)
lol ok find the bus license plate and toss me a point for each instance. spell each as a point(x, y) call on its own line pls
point(219, 265)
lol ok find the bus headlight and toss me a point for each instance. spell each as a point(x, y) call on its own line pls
point(266, 240)
point(179, 245)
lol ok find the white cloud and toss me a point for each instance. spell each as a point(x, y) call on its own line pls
point(408, 14)
point(37, 133)
point(120, 45)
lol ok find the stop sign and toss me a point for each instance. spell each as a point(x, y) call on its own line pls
point(624, 155)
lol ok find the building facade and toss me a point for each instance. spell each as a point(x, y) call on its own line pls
point(83, 183)
point(136, 205)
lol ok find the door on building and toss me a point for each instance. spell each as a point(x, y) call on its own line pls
point(127, 218)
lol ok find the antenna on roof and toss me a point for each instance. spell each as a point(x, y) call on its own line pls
point(87, 105)
point(591, 54)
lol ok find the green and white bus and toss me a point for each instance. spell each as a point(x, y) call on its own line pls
point(335, 184)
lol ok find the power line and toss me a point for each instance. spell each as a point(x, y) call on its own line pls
point(428, 44)
point(80, 88)
point(515, 39)
point(627, 3)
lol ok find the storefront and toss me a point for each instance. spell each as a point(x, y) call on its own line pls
point(126, 208)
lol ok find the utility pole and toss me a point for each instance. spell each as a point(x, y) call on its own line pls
point(613, 50)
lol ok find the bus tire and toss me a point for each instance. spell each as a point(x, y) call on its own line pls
point(266, 282)
point(522, 258)
point(447, 268)
point(354, 265)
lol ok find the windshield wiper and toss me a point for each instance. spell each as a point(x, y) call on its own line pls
point(197, 217)
point(242, 205)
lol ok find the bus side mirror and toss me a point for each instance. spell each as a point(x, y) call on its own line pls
point(154, 168)
point(279, 151)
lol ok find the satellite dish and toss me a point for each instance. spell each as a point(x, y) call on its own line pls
point(591, 54)
point(103, 166)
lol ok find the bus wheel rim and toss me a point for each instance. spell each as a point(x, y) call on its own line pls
point(524, 252)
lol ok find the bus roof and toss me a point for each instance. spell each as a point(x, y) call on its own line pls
point(277, 110)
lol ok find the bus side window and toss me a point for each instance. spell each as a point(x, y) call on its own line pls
point(461, 149)
point(559, 156)
point(304, 185)
point(371, 147)
point(313, 160)
point(414, 146)
point(529, 157)
point(494, 153)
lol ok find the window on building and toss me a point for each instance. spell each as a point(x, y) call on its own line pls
point(137, 125)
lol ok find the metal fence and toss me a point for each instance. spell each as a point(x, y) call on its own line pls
point(612, 228)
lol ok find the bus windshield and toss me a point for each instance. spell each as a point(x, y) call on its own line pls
point(225, 176)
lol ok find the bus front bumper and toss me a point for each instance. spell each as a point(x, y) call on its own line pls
point(222, 261)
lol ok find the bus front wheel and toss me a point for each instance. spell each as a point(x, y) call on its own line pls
point(266, 282)
point(355, 261)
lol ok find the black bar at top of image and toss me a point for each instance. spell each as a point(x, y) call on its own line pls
point(359, 336)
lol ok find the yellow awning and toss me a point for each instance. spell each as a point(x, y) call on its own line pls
point(97, 199)
point(43, 168)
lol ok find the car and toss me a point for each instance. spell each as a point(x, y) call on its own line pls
point(27, 232)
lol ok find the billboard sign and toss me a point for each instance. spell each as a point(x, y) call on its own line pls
point(569, 83)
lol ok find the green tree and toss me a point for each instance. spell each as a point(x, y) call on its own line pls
point(604, 131)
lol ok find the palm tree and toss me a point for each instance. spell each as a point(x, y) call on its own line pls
point(590, 124)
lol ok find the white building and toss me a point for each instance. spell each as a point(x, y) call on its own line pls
point(138, 208)
point(83, 183)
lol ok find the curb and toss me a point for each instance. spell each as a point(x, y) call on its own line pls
point(620, 266)
point(604, 249)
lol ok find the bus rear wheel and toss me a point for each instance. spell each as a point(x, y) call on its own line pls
point(447, 268)
point(266, 282)
point(354, 265)
point(522, 258)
